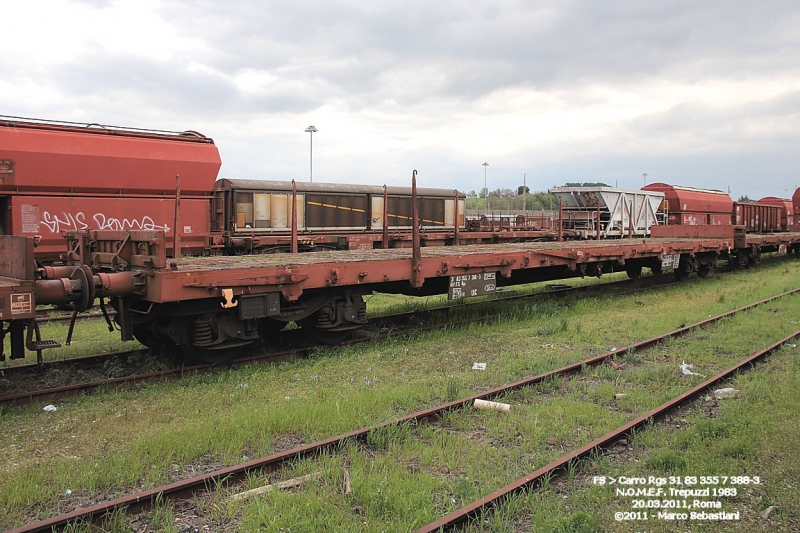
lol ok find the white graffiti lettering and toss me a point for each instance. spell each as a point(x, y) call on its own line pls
point(145, 222)
point(64, 221)
point(57, 223)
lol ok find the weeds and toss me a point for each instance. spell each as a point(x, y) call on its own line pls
point(408, 475)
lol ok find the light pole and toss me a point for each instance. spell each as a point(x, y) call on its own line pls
point(485, 191)
point(524, 194)
point(311, 130)
point(644, 179)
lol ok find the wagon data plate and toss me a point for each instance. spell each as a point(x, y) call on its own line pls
point(670, 261)
point(468, 285)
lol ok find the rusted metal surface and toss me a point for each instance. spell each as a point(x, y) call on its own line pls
point(457, 217)
point(200, 277)
point(385, 218)
point(560, 220)
point(416, 251)
point(533, 480)
point(16, 257)
point(293, 248)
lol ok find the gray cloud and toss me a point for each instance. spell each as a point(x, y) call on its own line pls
point(405, 71)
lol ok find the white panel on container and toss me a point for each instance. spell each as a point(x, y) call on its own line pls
point(262, 206)
point(301, 211)
point(376, 217)
point(449, 213)
point(279, 215)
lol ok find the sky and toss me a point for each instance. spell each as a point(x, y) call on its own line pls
point(704, 94)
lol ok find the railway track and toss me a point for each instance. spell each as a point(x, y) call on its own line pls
point(94, 366)
point(534, 480)
point(139, 501)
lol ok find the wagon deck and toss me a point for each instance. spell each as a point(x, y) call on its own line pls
point(292, 274)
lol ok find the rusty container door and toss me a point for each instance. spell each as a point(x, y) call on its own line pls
point(337, 212)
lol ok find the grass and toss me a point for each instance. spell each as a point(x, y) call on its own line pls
point(103, 445)
point(89, 337)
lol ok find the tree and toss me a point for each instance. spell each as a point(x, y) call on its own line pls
point(523, 189)
point(472, 194)
point(745, 198)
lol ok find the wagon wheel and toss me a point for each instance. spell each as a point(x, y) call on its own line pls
point(656, 269)
point(224, 353)
point(322, 335)
point(268, 330)
point(633, 271)
point(143, 333)
point(681, 276)
point(705, 270)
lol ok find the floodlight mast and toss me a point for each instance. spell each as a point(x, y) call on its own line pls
point(311, 130)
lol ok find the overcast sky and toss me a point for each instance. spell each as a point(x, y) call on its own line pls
point(694, 93)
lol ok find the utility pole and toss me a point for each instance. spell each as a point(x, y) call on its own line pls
point(524, 194)
point(486, 191)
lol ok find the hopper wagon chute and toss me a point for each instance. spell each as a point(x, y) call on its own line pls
point(621, 212)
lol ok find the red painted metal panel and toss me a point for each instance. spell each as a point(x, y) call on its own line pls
point(796, 202)
point(694, 202)
point(38, 158)
point(757, 218)
point(691, 219)
point(786, 209)
point(49, 215)
point(695, 231)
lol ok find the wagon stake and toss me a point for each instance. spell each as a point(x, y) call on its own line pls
point(416, 252)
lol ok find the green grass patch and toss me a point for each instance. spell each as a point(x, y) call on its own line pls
point(404, 477)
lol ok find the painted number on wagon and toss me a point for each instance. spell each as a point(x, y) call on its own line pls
point(468, 285)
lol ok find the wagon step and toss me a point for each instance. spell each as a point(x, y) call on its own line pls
point(43, 345)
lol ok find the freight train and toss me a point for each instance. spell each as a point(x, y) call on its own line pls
point(607, 212)
point(57, 177)
point(210, 303)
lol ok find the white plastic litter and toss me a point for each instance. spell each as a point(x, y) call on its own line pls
point(50, 408)
point(496, 406)
point(478, 366)
point(768, 511)
point(728, 392)
point(67, 492)
point(687, 370)
point(790, 345)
